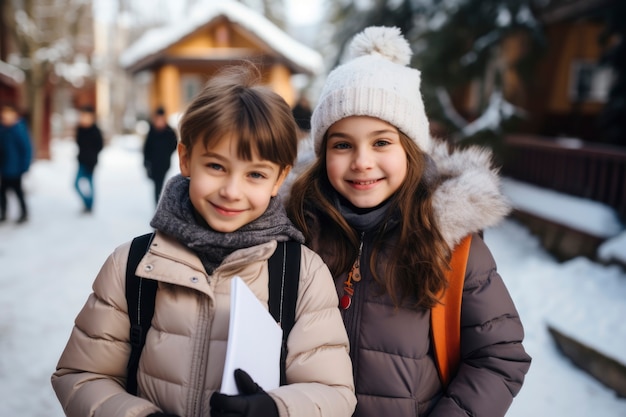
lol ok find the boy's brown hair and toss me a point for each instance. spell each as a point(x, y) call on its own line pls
point(235, 103)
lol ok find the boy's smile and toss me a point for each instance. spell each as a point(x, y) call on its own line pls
point(227, 191)
point(225, 211)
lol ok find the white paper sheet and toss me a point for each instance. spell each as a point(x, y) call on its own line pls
point(254, 340)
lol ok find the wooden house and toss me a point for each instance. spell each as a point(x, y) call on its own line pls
point(558, 145)
point(564, 91)
point(169, 65)
point(571, 87)
point(11, 79)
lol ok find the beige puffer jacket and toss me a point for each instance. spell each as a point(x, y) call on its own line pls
point(182, 361)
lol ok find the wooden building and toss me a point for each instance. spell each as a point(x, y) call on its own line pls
point(11, 79)
point(169, 65)
point(571, 87)
point(558, 146)
point(565, 90)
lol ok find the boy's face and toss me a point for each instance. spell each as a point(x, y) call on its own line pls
point(365, 160)
point(226, 191)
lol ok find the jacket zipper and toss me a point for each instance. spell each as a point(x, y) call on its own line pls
point(198, 364)
point(352, 314)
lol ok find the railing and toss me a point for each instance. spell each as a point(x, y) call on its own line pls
point(592, 171)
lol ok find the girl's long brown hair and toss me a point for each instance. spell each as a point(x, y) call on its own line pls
point(416, 269)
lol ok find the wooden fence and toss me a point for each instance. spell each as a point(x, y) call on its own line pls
point(592, 171)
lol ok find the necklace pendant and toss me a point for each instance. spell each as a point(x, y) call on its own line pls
point(355, 272)
point(345, 301)
point(353, 276)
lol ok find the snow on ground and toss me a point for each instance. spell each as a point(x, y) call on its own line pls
point(584, 215)
point(47, 267)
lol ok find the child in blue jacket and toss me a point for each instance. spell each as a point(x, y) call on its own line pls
point(15, 156)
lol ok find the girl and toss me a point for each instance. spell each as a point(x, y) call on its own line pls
point(218, 220)
point(385, 204)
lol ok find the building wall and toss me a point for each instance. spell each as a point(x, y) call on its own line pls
point(570, 43)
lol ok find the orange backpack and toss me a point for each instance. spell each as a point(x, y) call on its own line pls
point(445, 317)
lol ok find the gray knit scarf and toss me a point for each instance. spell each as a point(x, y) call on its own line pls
point(176, 217)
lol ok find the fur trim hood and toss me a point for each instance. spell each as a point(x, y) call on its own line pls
point(469, 198)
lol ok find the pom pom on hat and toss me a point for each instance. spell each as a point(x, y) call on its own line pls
point(387, 42)
point(375, 82)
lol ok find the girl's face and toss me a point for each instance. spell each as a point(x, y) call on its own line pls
point(228, 192)
point(365, 161)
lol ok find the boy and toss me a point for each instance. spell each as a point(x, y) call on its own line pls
point(217, 220)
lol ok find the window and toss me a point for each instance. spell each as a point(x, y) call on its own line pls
point(590, 82)
point(191, 86)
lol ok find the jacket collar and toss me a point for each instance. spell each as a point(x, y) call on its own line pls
point(167, 247)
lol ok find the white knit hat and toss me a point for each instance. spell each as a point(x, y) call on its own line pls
point(375, 82)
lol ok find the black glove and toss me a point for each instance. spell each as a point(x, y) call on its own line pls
point(160, 414)
point(251, 402)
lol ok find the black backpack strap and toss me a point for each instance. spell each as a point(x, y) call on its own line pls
point(140, 294)
point(284, 277)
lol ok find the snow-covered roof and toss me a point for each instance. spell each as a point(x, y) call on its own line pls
point(158, 39)
point(11, 72)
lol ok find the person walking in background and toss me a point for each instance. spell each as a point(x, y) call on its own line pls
point(90, 143)
point(15, 158)
point(302, 113)
point(386, 206)
point(219, 219)
point(157, 150)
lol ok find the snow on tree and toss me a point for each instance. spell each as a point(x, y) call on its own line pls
point(457, 43)
point(460, 45)
point(49, 36)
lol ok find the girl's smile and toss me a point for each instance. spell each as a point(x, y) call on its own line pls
point(365, 161)
point(364, 184)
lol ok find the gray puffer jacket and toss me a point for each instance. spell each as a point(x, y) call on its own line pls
point(391, 349)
